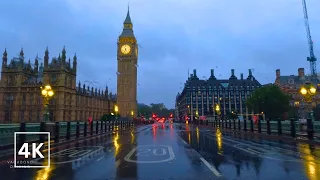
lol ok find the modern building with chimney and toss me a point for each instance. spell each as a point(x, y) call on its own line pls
point(291, 85)
point(199, 96)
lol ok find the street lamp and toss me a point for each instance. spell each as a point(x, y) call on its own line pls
point(47, 93)
point(308, 91)
point(132, 113)
point(116, 109)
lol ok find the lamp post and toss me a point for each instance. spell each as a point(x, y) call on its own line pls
point(116, 109)
point(47, 93)
point(132, 114)
point(308, 91)
point(217, 108)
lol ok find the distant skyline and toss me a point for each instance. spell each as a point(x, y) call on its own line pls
point(173, 35)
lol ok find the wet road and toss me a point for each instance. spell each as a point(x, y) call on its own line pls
point(173, 152)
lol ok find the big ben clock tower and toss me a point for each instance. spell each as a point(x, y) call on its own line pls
point(127, 56)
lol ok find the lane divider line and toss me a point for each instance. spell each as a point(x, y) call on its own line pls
point(212, 168)
point(100, 158)
point(209, 166)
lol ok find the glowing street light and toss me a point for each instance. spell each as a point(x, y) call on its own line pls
point(47, 93)
point(308, 91)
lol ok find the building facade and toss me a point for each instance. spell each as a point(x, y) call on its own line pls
point(20, 94)
point(199, 97)
point(291, 85)
point(127, 58)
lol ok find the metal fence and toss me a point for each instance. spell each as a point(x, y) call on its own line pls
point(59, 131)
point(291, 127)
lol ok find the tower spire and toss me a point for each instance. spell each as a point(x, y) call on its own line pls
point(128, 19)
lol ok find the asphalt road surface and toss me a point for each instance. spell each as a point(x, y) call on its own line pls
point(172, 152)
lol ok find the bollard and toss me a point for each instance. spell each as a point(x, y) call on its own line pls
point(310, 129)
point(234, 124)
point(97, 127)
point(105, 126)
point(268, 126)
point(56, 132)
point(244, 124)
point(101, 128)
point(78, 130)
point(251, 125)
point(91, 128)
point(85, 129)
point(22, 137)
point(239, 125)
point(207, 122)
point(68, 130)
point(259, 125)
point(279, 127)
point(42, 129)
point(292, 127)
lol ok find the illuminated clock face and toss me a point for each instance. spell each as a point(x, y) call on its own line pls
point(125, 49)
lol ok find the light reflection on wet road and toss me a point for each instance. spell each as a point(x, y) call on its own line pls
point(257, 159)
point(174, 152)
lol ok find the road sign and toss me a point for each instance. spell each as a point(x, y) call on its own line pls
point(150, 154)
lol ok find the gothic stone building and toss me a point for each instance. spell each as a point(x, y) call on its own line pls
point(20, 95)
point(199, 97)
point(291, 85)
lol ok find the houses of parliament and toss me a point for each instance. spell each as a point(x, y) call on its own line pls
point(20, 93)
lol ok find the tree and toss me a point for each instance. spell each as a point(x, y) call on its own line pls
point(144, 110)
point(270, 100)
point(158, 109)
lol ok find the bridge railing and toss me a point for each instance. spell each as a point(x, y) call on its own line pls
point(59, 131)
point(292, 127)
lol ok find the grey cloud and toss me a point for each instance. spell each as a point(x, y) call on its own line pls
point(174, 36)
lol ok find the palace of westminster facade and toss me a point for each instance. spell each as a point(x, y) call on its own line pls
point(20, 93)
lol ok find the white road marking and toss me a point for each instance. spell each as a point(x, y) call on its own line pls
point(169, 148)
point(212, 168)
point(98, 149)
point(248, 149)
point(100, 158)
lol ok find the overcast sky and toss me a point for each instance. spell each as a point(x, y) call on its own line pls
point(174, 36)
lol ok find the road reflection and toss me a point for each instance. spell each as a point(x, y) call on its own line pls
point(45, 173)
point(219, 141)
point(116, 144)
point(254, 160)
point(311, 165)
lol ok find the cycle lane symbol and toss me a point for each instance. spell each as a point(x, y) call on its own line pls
point(150, 154)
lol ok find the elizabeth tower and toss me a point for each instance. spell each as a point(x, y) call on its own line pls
point(127, 56)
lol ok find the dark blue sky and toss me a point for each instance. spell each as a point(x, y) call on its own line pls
point(174, 36)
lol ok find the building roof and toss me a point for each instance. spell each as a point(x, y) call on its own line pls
point(298, 80)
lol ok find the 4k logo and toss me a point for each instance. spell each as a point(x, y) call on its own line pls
point(29, 152)
point(35, 150)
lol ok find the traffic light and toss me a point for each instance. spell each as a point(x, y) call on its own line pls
point(171, 115)
point(154, 116)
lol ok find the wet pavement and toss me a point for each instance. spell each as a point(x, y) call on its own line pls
point(175, 152)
